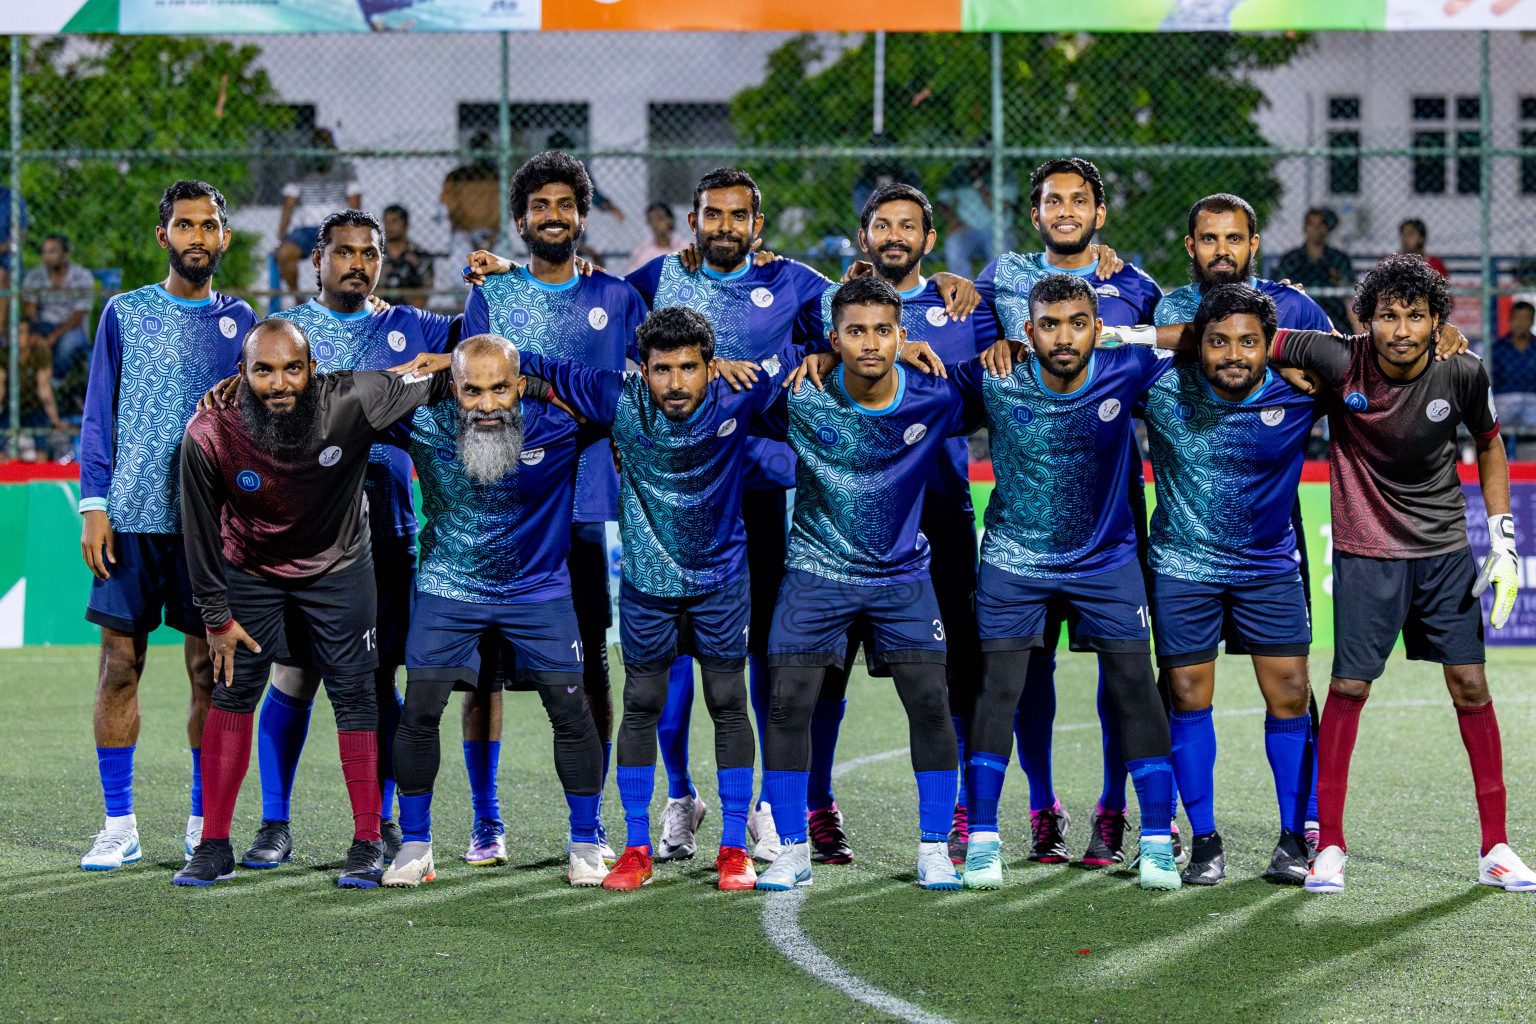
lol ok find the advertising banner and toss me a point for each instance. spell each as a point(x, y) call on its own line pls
point(195, 17)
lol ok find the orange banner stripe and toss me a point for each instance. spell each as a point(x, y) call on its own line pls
point(755, 15)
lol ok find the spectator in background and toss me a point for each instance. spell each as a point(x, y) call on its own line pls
point(5, 250)
point(665, 239)
point(57, 298)
point(1316, 264)
point(1514, 374)
point(471, 198)
point(36, 367)
point(407, 266)
point(1413, 234)
point(326, 186)
point(966, 203)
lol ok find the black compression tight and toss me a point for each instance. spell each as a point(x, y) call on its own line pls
point(1127, 678)
point(923, 692)
point(725, 693)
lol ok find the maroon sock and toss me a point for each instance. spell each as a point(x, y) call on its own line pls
point(1480, 735)
point(1335, 746)
point(359, 766)
point(226, 756)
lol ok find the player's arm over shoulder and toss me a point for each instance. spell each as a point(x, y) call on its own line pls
point(1321, 352)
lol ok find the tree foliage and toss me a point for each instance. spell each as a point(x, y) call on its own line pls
point(1060, 91)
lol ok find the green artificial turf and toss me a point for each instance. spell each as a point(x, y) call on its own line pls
point(1413, 938)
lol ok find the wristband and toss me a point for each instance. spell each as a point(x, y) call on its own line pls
point(222, 629)
point(1501, 534)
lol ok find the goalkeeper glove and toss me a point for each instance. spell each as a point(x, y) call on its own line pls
point(1501, 568)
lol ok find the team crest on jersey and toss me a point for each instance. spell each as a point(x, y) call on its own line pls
point(248, 480)
point(1437, 410)
point(396, 341)
point(727, 428)
point(227, 326)
point(151, 324)
point(325, 351)
point(762, 298)
point(518, 319)
point(1356, 401)
point(444, 453)
point(531, 456)
point(686, 293)
point(1107, 289)
point(914, 433)
point(1023, 415)
point(1109, 409)
point(1272, 416)
point(828, 435)
point(1184, 410)
point(330, 456)
point(597, 316)
point(936, 316)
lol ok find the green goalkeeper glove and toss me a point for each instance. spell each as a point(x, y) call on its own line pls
point(1501, 568)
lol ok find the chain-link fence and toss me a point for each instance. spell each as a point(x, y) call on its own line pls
point(425, 130)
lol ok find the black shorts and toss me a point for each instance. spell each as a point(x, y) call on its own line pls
point(588, 565)
point(1428, 600)
point(763, 514)
point(330, 617)
point(394, 577)
point(950, 526)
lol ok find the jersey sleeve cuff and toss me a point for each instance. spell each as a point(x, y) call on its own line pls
point(92, 505)
point(1274, 350)
point(1488, 435)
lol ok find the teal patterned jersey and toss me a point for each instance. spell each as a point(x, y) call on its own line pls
point(1127, 298)
point(1293, 308)
point(1226, 476)
point(1062, 463)
point(860, 481)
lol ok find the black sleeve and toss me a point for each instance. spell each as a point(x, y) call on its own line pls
point(388, 397)
point(202, 500)
point(1325, 354)
point(1475, 397)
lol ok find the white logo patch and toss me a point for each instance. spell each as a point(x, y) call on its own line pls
point(914, 433)
point(330, 456)
point(762, 298)
point(1107, 289)
point(597, 316)
point(727, 428)
point(772, 366)
point(1271, 417)
point(1109, 409)
point(1437, 410)
point(937, 317)
point(227, 326)
point(531, 456)
point(396, 341)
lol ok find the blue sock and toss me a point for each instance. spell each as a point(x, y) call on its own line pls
point(826, 720)
point(481, 759)
point(1032, 727)
point(116, 767)
point(1287, 747)
point(636, 785)
point(735, 796)
point(935, 804)
point(672, 728)
point(197, 782)
point(984, 774)
point(959, 724)
point(786, 792)
point(388, 726)
point(280, 732)
point(1112, 798)
point(1194, 766)
point(416, 818)
point(758, 694)
point(1153, 779)
point(583, 817)
point(1312, 783)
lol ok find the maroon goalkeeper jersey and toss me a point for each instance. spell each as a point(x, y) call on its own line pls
point(1392, 458)
point(297, 514)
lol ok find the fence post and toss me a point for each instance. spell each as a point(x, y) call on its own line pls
point(1490, 317)
point(504, 147)
point(13, 319)
point(998, 225)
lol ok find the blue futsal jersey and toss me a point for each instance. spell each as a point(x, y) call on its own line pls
point(1226, 476)
point(1293, 307)
point(589, 319)
point(1062, 462)
point(366, 340)
point(155, 356)
point(953, 341)
point(755, 312)
point(499, 543)
point(680, 491)
point(1126, 299)
point(859, 485)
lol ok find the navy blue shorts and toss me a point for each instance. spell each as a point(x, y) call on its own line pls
point(711, 627)
point(1108, 610)
point(814, 614)
point(149, 577)
point(445, 637)
point(1269, 616)
point(1428, 600)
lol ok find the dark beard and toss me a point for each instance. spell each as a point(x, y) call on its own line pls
point(1050, 367)
point(489, 455)
point(898, 273)
point(723, 252)
point(280, 433)
point(1066, 248)
point(1205, 280)
point(1251, 379)
point(350, 302)
point(552, 252)
point(196, 276)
